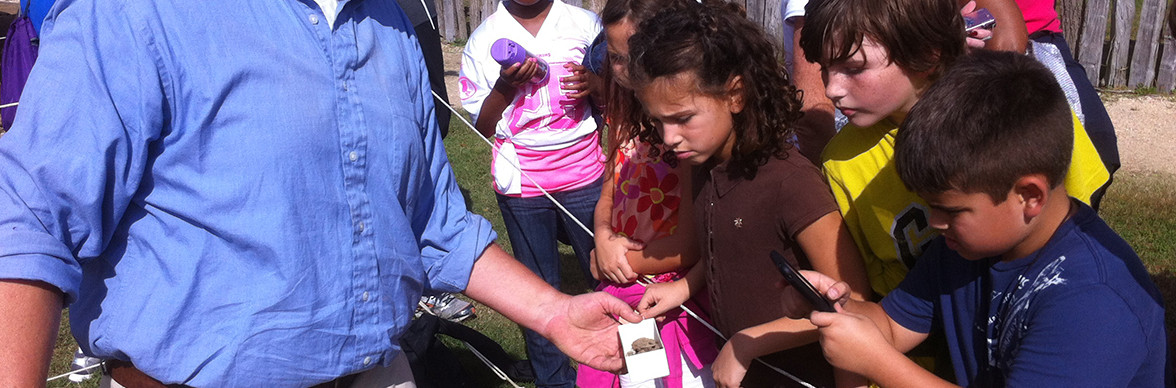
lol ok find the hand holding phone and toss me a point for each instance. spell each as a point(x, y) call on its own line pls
point(801, 284)
point(979, 18)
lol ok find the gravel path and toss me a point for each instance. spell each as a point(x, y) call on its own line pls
point(1146, 127)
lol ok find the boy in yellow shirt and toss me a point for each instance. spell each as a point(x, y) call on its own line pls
point(876, 65)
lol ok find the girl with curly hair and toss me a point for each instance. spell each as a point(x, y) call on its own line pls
point(719, 99)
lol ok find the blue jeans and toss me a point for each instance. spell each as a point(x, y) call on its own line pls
point(533, 224)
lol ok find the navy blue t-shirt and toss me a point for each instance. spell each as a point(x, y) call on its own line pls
point(1082, 311)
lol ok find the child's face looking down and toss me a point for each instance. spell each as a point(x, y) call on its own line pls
point(695, 125)
point(974, 226)
point(618, 49)
point(868, 87)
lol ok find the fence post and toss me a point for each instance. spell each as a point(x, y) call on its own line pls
point(1121, 43)
point(1166, 81)
point(448, 19)
point(1070, 11)
point(1147, 41)
point(488, 8)
point(1094, 34)
point(463, 20)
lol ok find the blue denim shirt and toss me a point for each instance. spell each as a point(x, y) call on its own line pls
point(232, 192)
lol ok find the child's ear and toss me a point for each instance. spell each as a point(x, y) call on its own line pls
point(735, 94)
point(1033, 191)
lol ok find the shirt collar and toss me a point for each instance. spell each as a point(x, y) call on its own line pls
point(723, 181)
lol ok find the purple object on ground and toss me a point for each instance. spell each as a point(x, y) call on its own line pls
point(507, 52)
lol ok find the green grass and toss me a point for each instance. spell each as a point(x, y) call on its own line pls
point(1141, 207)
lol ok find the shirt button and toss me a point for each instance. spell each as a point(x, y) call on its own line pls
point(353, 156)
point(313, 19)
point(367, 360)
point(365, 296)
point(361, 227)
point(345, 87)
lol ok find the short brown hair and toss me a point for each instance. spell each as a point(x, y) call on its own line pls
point(918, 35)
point(991, 119)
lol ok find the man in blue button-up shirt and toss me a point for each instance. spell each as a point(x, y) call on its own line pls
point(243, 193)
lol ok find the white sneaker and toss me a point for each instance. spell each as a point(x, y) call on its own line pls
point(81, 361)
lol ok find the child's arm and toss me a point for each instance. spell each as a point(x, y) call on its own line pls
point(609, 261)
point(662, 297)
point(1009, 34)
point(860, 338)
point(582, 83)
point(737, 354)
point(620, 259)
point(510, 80)
point(832, 252)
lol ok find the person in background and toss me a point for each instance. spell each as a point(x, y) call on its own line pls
point(546, 140)
point(645, 230)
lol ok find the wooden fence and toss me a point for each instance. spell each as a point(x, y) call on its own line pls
point(1120, 45)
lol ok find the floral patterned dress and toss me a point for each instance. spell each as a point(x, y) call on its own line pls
point(648, 193)
point(645, 208)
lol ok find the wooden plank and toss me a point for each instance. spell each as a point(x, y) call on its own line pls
point(488, 8)
point(1147, 43)
point(1121, 43)
point(1070, 11)
point(448, 19)
point(1166, 79)
point(462, 21)
point(1094, 32)
point(774, 24)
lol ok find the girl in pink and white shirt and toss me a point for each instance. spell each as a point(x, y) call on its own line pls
point(546, 128)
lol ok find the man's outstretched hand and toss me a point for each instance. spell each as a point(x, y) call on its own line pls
point(584, 328)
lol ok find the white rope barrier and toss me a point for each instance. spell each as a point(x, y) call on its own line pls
point(441, 101)
point(501, 375)
point(95, 366)
point(525, 175)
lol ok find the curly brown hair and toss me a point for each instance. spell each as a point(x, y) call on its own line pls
point(716, 42)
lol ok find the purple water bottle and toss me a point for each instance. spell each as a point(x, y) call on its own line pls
point(506, 52)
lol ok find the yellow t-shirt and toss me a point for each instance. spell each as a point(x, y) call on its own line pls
point(888, 222)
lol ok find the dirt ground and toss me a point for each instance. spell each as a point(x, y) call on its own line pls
point(1145, 125)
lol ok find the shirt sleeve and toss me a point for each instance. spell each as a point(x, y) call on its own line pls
point(809, 193)
point(453, 238)
point(792, 8)
point(1084, 337)
point(476, 78)
point(1087, 173)
point(912, 304)
point(76, 154)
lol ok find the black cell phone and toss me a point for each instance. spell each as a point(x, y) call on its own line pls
point(801, 284)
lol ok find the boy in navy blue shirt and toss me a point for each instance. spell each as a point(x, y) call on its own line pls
point(1030, 286)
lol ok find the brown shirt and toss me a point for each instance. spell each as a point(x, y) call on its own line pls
point(740, 222)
